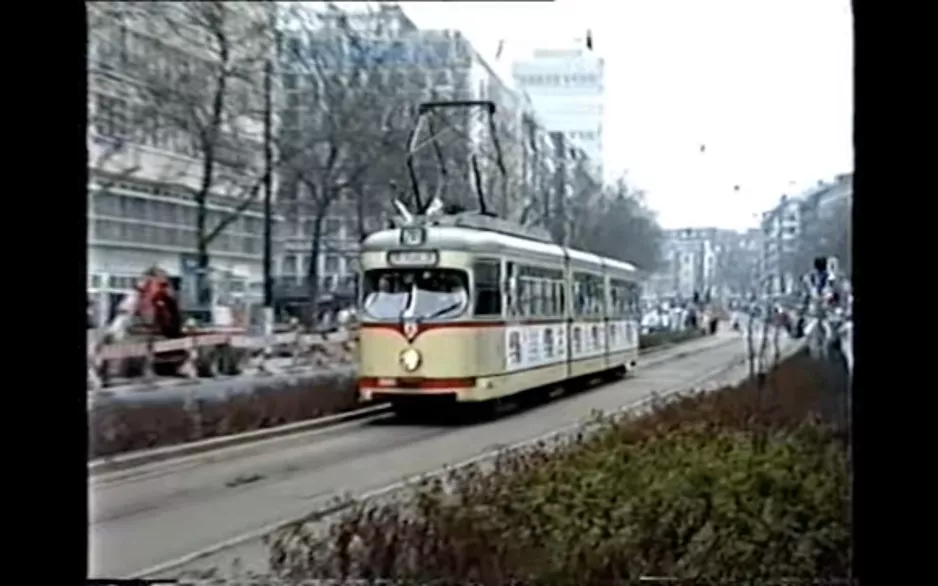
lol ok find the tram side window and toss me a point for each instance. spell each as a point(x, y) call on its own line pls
point(488, 296)
point(625, 300)
point(634, 304)
point(511, 290)
point(524, 297)
point(536, 306)
point(600, 297)
point(580, 295)
point(588, 291)
point(621, 299)
point(541, 292)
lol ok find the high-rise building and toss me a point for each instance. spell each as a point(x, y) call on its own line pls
point(566, 87)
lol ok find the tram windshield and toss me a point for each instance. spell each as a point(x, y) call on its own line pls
point(421, 293)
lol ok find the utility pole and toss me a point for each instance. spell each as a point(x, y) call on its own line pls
point(268, 197)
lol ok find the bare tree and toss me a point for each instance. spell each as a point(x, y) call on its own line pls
point(534, 197)
point(346, 122)
point(618, 223)
point(189, 72)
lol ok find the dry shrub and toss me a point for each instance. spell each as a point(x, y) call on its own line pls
point(115, 428)
point(742, 484)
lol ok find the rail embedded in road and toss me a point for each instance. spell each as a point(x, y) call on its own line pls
point(128, 460)
point(137, 520)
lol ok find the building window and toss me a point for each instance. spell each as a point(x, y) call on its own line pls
point(331, 264)
point(332, 226)
point(110, 116)
point(289, 264)
point(104, 230)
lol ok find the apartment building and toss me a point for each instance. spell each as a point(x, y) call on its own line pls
point(689, 259)
point(826, 221)
point(815, 222)
point(781, 228)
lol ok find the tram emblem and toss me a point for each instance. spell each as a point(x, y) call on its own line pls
point(410, 330)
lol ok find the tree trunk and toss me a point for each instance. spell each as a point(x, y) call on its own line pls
point(360, 212)
point(312, 274)
point(209, 139)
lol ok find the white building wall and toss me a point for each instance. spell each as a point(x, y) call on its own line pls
point(567, 90)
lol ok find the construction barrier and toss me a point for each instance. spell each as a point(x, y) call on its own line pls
point(211, 354)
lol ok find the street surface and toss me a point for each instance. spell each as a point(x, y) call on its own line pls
point(144, 517)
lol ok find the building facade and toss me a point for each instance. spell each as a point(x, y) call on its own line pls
point(826, 222)
point(781, 229)
point(567, 89)
point(397, 61)
point(146, 163)
point(814, 223)
point(690, 259)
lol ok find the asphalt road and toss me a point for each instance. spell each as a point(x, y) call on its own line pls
point(144, 517)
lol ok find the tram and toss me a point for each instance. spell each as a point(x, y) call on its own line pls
point(465, 309)
point(459, 313)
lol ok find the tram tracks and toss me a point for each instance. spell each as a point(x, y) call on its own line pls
point(149, 462)
point(174, 513)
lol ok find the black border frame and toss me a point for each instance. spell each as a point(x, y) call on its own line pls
point(888, 550)
point(45, 410)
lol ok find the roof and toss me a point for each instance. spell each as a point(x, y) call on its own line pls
point(484, 241)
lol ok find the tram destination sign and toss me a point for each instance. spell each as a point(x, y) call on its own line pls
point(413, 258)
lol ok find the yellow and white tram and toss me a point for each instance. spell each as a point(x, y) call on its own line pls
point(466, 315)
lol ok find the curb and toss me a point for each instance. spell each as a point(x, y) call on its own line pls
point(139, 458)
point(133, 459)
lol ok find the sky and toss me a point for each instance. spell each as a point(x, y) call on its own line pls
point(765, 85)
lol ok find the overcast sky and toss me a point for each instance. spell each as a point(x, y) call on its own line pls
point(766, 85)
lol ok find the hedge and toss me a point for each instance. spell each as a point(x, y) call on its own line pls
point(116, 427)
point(745, 484)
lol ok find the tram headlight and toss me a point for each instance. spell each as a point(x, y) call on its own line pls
point(410, 359)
